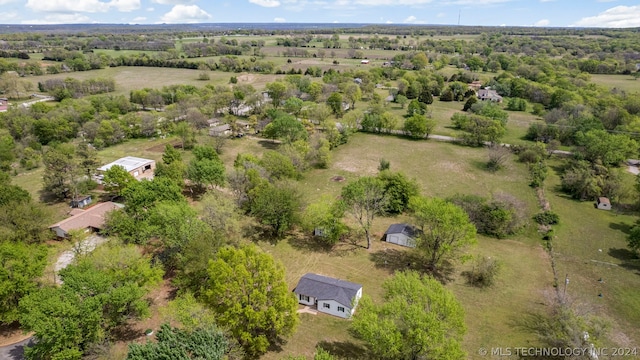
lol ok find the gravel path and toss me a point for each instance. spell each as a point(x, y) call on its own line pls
point(86, 246)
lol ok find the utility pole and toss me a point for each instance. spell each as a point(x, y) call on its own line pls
point(459, 11)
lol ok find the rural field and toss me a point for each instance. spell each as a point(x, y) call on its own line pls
point(583, 264)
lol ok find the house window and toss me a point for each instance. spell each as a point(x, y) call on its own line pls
point(326, 306)
point(304, 298)
point(340, 309)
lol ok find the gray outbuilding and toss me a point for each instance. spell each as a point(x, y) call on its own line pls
point(401, 234)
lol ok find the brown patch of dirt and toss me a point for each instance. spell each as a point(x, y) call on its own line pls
point(246, 78)
point(11, 334)
point(338, 178)
point(357, 167)
point(134, 332)
point(160, 147)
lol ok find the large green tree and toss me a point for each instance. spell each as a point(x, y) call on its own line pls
point(276, 206)
point(20, 267)
point(61, 171)
point(286, 128)
point(248, 292)
point(418, 319)
point(116, 179)
point(172, 165)
point(277, 91)
point(99, 293)
point(206, 168)
point(608, 149)
point(445, 229)
point(207, 343)
point(419, 126)
point(364, 199)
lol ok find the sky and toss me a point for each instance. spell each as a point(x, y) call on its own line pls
point(543, 13)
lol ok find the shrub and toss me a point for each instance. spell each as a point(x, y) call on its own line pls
point(538, 173)
point(499, 217)
point(384, 165)
point(498, 155)
point(547, 218)
point(483, 273)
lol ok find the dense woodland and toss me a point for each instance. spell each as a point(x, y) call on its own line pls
point(308, 112)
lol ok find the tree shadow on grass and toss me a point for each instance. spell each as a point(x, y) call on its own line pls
point(268, 144)
point(126, 333)
point(308, 243)
point(624, 227)
point(630, 260)
point(344, 349)
point(400, 260)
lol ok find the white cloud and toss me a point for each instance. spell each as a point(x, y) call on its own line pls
point(389, 22)
point(279, 20)
point(125, 5)
point(61, 19)
point(80, 6)
point(139, 19)
point(6, 16)
point(616, 17)
point(410, 19)
point(185, 14)
point(172, 2)
point(4, 2)
point(67, 6)
point(441, 15)
point(150, 9)
point(543, 22)
point(266, 3)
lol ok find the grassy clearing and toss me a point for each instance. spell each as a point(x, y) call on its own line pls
point(441, 169)
point(129, 78)
point(591, 245)
point(621, 82)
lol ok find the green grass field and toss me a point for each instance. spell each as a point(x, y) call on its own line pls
point(441, 169)
point(621, 82)
point(590, 246)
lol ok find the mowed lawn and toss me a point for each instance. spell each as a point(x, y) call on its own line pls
point(441, 169)
point(621, 82)
point(129, 78)
point(591, 250)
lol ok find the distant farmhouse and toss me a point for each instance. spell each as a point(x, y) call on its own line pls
point(220, 130)
point(138, 167)
point(331, 296)
point(401, 234)
point(489, 95)
point(91, 219)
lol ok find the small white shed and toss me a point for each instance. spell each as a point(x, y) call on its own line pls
point(603, 203)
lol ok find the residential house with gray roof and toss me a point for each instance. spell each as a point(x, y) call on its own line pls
point(331, 296)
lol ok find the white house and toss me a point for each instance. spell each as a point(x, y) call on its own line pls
point(331, 296)
point(401, 234)
point(490, 95)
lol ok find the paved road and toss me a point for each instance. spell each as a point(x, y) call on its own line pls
point(15, 351)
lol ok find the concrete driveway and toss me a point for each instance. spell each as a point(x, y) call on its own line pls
point(14, 351)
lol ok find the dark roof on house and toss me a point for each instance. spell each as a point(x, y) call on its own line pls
point(405, 229)
point(326, 288)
